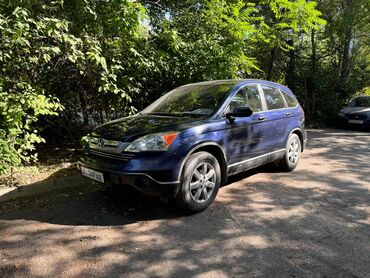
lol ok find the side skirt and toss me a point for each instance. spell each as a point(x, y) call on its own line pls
point(254, 162)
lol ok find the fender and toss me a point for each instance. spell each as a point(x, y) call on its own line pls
point(303, 142)
point(198, 146)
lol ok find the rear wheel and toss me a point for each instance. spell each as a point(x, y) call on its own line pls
point(293, 153)
point(199, 183)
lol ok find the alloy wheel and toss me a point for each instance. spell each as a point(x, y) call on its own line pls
point(202, 182)
point(293, 151)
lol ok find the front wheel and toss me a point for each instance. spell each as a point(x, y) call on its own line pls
point(199, 183)
point(293, 153)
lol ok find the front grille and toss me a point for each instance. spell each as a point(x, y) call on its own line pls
point(356, 116)
point(121, 156)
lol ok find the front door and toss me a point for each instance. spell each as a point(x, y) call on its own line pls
point(245, 136)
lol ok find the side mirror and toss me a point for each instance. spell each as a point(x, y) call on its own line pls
point(239, 112)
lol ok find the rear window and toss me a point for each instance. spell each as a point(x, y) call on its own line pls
point(274, 99)
point(291, 101)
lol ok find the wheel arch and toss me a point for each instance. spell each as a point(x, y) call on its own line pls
point(299, 132)
point(213, 148)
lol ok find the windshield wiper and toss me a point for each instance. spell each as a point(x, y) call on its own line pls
point(161, 114)
point(176, 114)
point(194, 114)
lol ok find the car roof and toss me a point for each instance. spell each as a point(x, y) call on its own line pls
point(240, 82)
point(214, 82)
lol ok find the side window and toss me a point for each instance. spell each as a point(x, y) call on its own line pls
point(247, 96)
point(292, 102)
point(274, 98)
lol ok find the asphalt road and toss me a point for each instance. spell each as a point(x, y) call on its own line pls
point(313, 222)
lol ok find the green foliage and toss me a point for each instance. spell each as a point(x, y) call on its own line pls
point(209, 40)
point(22, 101)
point(333, 61)
point(365, 91)
point(18, 112)
point(284, 20)
point(30, 50)
point(66, 66)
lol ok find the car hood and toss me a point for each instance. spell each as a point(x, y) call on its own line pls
point(357, 110)
point(129, 128)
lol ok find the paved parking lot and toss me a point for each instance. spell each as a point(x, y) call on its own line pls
point(313, 222)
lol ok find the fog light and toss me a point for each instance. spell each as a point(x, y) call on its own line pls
point(143, 182)
point(146, 181)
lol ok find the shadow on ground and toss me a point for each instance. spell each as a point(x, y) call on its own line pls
point(76, 200)
point(314, 222)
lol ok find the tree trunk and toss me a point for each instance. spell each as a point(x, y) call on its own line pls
point(313, 54)
point(101, 114)
point(313, 74)
point(83, 108)
point(345, 68)
point(271, 63)
point(349, 15)
point(290, 78)
point(306, 101)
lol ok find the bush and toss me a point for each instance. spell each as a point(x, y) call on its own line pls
point(29, 49)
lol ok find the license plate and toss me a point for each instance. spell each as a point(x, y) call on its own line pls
point(92, 174)
point(356, 122)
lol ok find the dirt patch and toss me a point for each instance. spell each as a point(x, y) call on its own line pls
point(313, 222)
point(53, 163)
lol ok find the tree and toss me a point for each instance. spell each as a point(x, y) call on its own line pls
point(69, 65)
point(30, 49)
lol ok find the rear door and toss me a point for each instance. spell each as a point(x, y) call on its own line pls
point(276, 117)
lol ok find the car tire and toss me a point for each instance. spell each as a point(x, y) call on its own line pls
point(292, 154)
point(200, 182)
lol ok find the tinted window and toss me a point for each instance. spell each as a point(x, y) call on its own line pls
point(360, 102)
point(247, 96)
point(274, 98)
point(289, 99)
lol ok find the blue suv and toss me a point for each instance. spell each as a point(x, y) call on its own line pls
point(186, 144)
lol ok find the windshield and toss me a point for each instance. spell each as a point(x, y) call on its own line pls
point(197, 100)
point(360, 102)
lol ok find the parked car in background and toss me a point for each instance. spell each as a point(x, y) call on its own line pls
point(357, 112)
point(190, 140)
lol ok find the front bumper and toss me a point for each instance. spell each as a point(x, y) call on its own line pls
point(138, 172)
point(346, 121)
point(365, 123)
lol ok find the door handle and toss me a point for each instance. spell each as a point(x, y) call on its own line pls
point(288, 114)
point(261, 118)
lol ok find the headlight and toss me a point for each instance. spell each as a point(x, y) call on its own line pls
point(341, 114)
point(152, 142)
